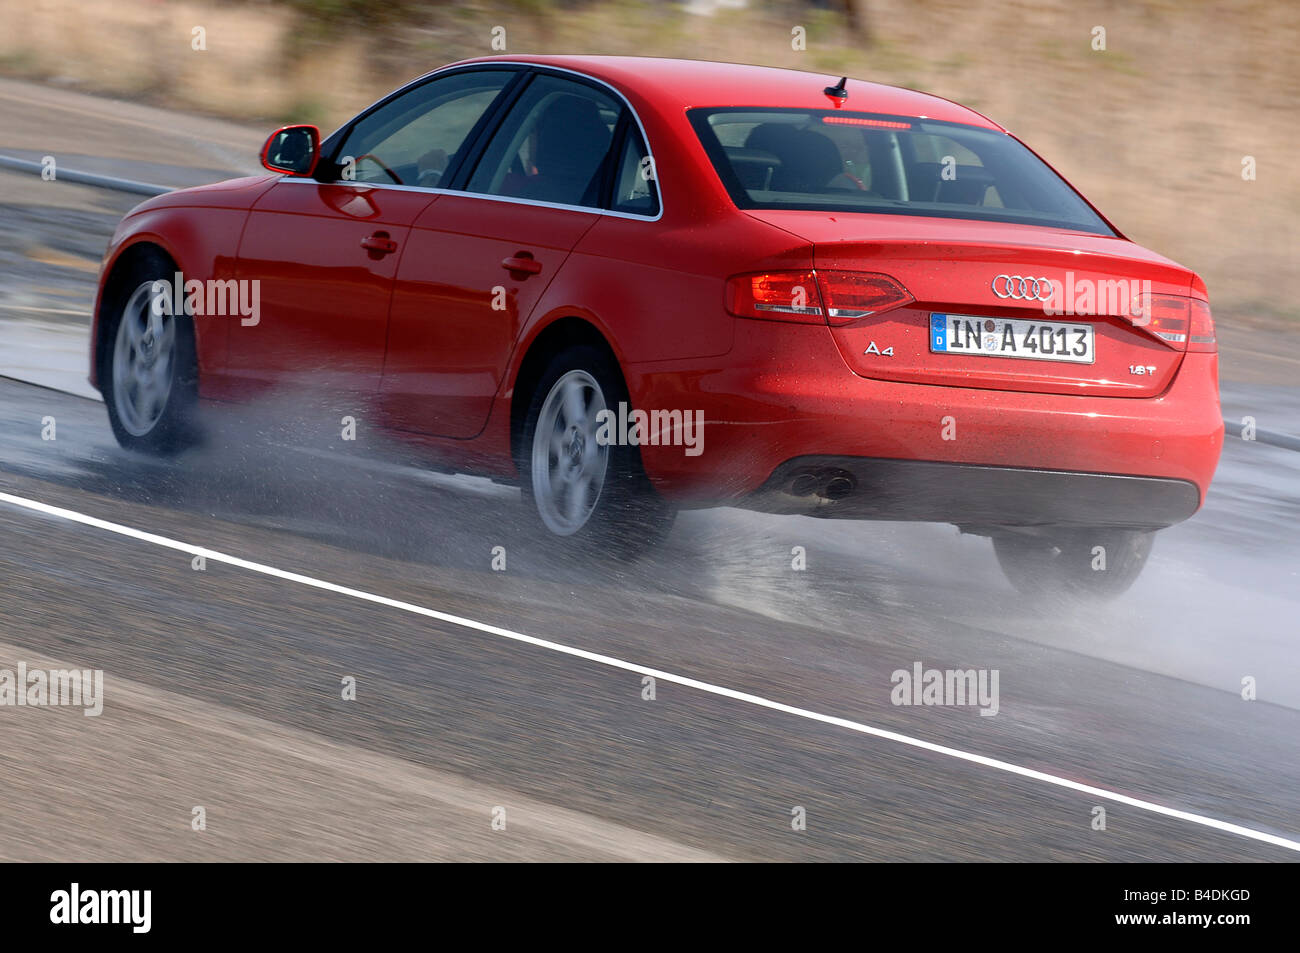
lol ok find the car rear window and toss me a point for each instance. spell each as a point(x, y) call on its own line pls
point(826, 160)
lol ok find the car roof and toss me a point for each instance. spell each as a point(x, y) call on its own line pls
point(690, 83)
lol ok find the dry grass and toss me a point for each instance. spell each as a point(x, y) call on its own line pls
point(1154, 129)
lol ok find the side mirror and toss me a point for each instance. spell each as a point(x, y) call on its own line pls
point(294, 150)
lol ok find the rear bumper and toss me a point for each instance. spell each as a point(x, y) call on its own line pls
point(948, 454)
point(977, 497)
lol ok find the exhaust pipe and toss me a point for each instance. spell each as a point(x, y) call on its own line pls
point(827, 483)
point(805, 484)
point(840, 486)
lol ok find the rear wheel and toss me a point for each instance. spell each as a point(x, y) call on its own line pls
point(1091, 562)
point(583, 488)
point(150, 367)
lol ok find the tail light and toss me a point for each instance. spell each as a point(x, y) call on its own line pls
point(1185, 324)
point(1200, 332)
point(849, 295)
point(776, 296)
point(813, 297)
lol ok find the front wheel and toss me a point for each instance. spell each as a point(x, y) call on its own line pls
point(1092, 562)
point(583, 487)
point(150, 370)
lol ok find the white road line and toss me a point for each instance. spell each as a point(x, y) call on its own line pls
point(1006, 766)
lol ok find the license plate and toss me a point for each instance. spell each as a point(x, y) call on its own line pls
point(1012, 337)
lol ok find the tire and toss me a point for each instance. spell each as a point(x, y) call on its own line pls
point(149, 366)
point(1067, 561)
point(593, 494)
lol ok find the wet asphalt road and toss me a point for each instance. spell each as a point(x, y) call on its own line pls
point(719, 603)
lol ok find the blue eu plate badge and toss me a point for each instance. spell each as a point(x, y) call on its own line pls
point(938, 332)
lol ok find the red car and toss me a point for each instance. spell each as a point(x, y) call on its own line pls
point(634, 285)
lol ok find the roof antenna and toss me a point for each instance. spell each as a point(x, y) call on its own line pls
point(838, 93)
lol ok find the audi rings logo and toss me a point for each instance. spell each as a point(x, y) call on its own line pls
point(1022, 288)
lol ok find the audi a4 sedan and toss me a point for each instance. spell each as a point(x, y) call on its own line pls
point(635, 285)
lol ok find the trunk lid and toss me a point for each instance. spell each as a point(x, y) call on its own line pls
point(951, 268)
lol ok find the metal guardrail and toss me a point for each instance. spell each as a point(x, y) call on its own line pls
point(1271, 437)
point(85, 178)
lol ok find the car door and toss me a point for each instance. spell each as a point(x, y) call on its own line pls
point(325, 253)
point(480, 257)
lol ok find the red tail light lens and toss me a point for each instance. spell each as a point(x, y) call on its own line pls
point(1185, 324)
point(850, 295)
point(1200, 333)
point(776, 296)
point(826, 297)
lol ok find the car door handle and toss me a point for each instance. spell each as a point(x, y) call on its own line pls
point(379, 242)
point(522, 262)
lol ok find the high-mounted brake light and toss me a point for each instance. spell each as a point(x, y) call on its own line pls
point(873, 123)
point(813, 297)
point(1185, 324)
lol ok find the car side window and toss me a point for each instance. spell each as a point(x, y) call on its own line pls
point(552, 146)
point(636, 189)
point(414, 139)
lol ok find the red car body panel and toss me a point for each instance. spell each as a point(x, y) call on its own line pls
point(439, 329)
point(326, 297)
point(449, 346)
point(199, 229)
point(775, 410)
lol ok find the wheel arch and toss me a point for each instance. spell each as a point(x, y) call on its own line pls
point(566, 330)
point(127, 258)
point(201, 242)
